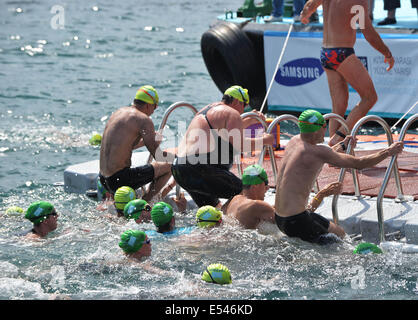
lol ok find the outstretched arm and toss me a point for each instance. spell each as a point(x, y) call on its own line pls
point(348, 161)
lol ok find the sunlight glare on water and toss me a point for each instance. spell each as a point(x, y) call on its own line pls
point(58, 86)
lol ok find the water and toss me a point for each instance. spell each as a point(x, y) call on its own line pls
point(58, 86)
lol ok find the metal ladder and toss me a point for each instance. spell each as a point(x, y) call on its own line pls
point(393, 163)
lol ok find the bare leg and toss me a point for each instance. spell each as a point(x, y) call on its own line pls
point(162, 172)
point(338, 90)
point(354, 72)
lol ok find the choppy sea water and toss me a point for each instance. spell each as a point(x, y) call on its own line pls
point(57, 87)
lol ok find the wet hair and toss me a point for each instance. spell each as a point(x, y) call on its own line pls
point(227, 99)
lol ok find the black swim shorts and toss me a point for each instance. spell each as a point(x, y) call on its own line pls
point(206, 183)
point(308, 226)
point(131, 177)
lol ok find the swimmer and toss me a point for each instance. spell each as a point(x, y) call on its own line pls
point(123, 195)
point(340, 62)
point(206, 154)
point(249, 207)
point(130, 128)
point(208, 217)
point(217, 273)
point(302, 162)
point(139, 210)
point(163, 217)
point(44, 218)
point(135, 244)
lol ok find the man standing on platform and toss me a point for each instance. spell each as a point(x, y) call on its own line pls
point(339, 61)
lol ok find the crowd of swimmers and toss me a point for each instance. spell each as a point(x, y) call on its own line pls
point(209, 179)
point(201, 164)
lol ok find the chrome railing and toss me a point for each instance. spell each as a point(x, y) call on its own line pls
point(354, 131)
point(270, 149)
point(167, 113)
point(354, 172)
point(386, 178)
point(163, 124)
point(273, 124)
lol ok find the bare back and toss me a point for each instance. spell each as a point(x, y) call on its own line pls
point(198, 138)
point(297, 174)
point(337, 23)
point(125, 128)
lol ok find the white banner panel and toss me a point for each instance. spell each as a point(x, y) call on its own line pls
point(301, 82)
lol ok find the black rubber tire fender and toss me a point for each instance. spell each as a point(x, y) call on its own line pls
point(230, 58)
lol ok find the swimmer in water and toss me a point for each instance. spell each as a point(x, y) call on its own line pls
point(44, 218)
point(123, 195)
point(135, 244)
point(162, 216)
point(208, 217)
point(249, 207)
point(139, 210)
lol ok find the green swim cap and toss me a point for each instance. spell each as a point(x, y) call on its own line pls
point(367, 247)
point(95, 139)
point(254, 174)
point(161, 213)
point(133, 208)
point(310, 121)
point(39, 211)
point(239, 93)
point(147, 94)
point(217, 273)
point(122, 196)
point(208, 216)
point(132, 240)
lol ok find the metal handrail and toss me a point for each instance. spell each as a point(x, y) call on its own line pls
point(164, 122)
point(354, 131)
point(260, 160)
point(354, 172)
point(273, 124)
point(386, 178)
point(167, 114)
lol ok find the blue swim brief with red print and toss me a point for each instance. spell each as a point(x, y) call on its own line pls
point(331, 58)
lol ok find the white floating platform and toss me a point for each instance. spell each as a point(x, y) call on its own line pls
point(81, 177)
point(356, 216)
